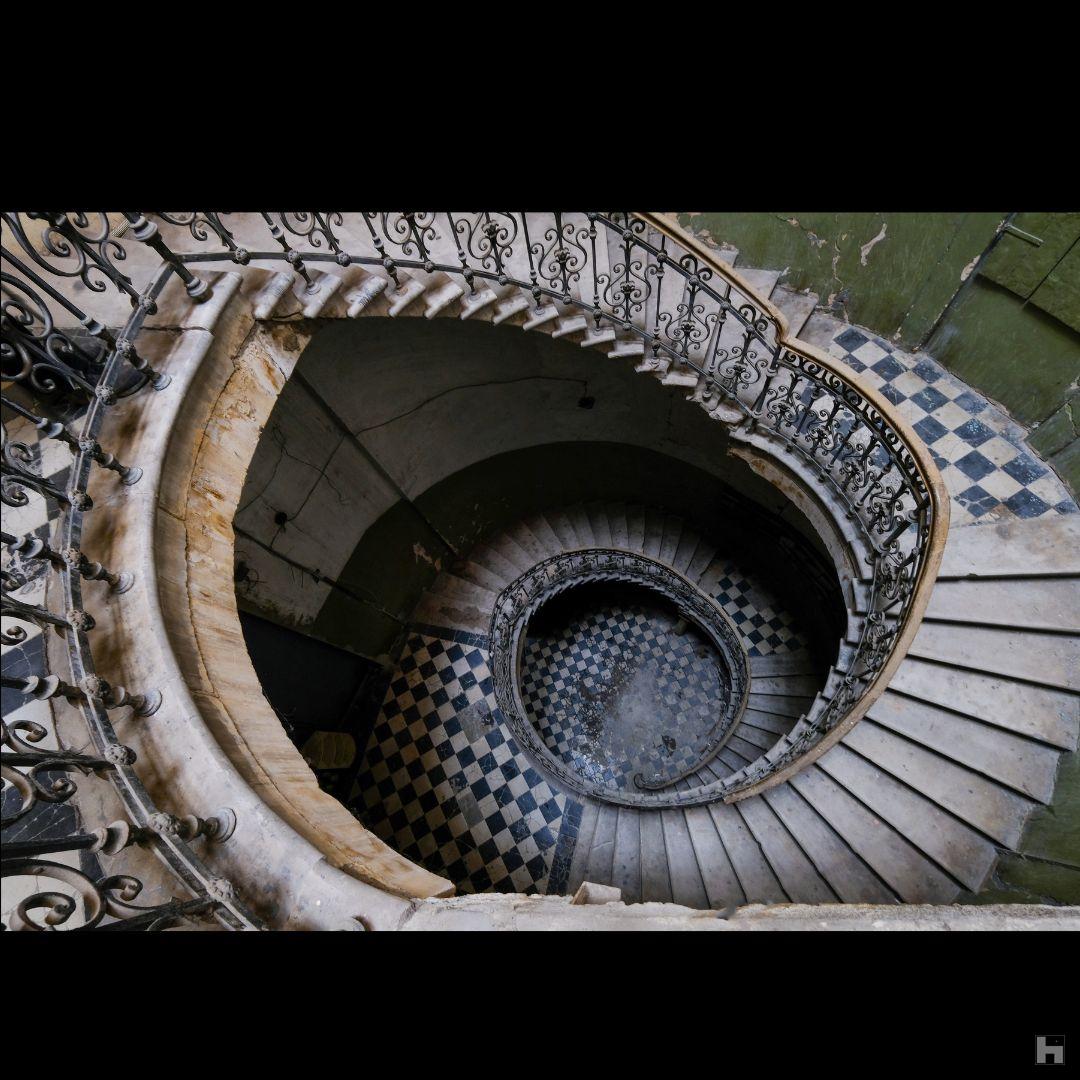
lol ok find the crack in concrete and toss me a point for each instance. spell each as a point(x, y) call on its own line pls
point(469, 386)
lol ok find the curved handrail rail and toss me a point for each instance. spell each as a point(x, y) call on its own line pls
point(520, 600)
point(692, 316)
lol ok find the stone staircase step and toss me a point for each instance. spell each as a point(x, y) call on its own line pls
point(721, 884)
point(655, 883)
point(441, 298)
point(756, 878)
point(599, 523)
point(497, 563)
point(687, 887)
point(635, 528)
point(1024, 765)
point(796, 307)
point(1036, 711)
point(1040, 604)
point(848, 876)
point(785, 685)
point(755, 736)
point(579, 863)
point(359, 298)
point(784, 663)
point(507, 548)
point(529, 542)
point(545, 535)
point(902, 866)
point(1047, 659)
point(480, 303)
point(669, 542)
point(616, 515)
point(768, 722)
point(747, 749)
point(955, 847)
point(654, 533)
point(986, 806)
point(602, 848)
point(626, 868)
point(704, 554)
point(1048, 546)
point(684, 553)
point(563, 529)
point(795, 872)
point(780, 705)
point(582, 528)
point(761, 281)
point(481, 575)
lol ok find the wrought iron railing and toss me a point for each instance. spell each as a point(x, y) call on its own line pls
point(522, 599)
point(633, 280)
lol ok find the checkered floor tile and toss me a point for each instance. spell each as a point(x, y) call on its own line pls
point(989, 470)
point(617, 688)
point(444, 782)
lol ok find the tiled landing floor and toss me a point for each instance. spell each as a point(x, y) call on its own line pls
point(616, 686)
point(444, 782)
point(988, 468)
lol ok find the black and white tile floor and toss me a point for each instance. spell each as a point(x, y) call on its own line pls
point(444, 782)
point(618, 689)
point(989, 470)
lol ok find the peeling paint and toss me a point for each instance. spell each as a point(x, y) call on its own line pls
point(419, 553)
point(869, 246)
point(966, 272)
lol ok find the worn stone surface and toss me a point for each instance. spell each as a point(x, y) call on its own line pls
point(558, 913)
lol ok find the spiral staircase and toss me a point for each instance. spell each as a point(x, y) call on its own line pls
point(891, 764)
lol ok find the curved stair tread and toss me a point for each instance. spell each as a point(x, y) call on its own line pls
point(579, 861)
point(545, 535)
point(1049, 659)
point(848, 876)
point(626, 864)
point(579, 519)
point(602, 848)
point(717, 875)
point(616, 514)
point(1024, 765)
point(687, 548)
point(482, 576)
point(599, 523)
point(796, 873)
point(500, 559)
point(534, 547)
point(779, 704)
point(785, 663)
point(768, 722)
point(1040, 712)
point(984, 805)
point(654, 534)
point(686, 883)
point(635, 528)
point(655, 880)
point(1019, 548)
point(903, 867)
point(669, 542)
point(563, 528)
point(1051, 604)
point(955, 847)
point(756, 878)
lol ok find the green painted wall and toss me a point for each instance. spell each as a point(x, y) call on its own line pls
point(892, 272)
point(1047, 867)
point(999, 310)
